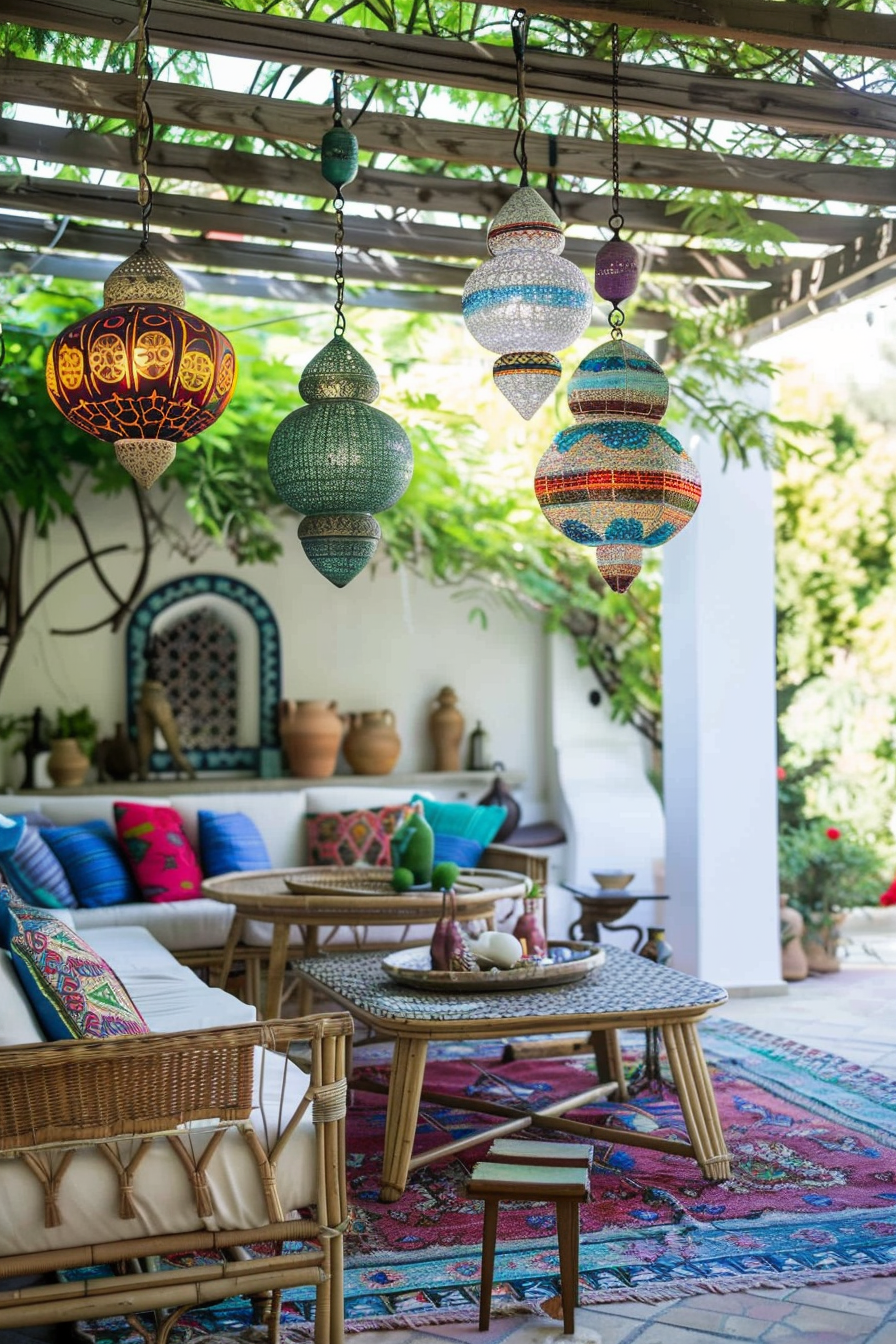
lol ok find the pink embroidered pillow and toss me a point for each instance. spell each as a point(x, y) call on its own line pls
point(355, 839)
point(159, 853)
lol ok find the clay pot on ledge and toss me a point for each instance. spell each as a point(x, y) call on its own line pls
point(372, 746)
point(310, 731)
point(67, 764)
point(446, 728)
point(821, 941)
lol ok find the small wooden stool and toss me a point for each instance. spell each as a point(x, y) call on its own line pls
point(557, 1173)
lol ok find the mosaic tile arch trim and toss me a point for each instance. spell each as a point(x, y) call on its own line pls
point(223, 757)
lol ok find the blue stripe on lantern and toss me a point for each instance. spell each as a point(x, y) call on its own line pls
point(546, 295)
point(625, 529)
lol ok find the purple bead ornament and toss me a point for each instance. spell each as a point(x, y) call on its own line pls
point(617, 268)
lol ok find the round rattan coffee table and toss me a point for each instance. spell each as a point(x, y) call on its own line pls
point(265, 896)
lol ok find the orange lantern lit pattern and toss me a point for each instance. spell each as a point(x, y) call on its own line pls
point(144, 374)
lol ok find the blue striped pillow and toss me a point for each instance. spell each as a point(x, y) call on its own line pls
point(460, 849)
point(40, 877)
point(93, 863)
point(230, 842)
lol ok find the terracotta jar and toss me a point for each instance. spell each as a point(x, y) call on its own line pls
point(372, 746)
point(794, 962)
point(310, 731)
point(446, 728)
point(67, 765)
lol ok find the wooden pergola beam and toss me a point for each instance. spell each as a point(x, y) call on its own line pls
point(283, 290)
point(191, 251)
point(763, 23)
point(196, 25)
point(95, 92)
point(862, 266)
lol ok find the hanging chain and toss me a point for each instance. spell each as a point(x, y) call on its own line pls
point(143, 69)
point(339, 203)
point(519, 31)
point(615, 221)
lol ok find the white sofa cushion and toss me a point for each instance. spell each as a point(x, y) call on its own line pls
point(170, 996)
point(178, 925)
point(18, 1024)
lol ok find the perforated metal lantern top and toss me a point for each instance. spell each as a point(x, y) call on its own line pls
point(143, 278)
point(618, 380)
point(338, 370)
point(525, 220)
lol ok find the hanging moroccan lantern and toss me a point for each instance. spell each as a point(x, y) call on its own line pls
point(616, 479)
point(527, 301)
point(617, 270)
point(142, 372)
point(338, 460)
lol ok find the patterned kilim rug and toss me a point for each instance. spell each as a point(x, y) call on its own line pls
point(811, 1199)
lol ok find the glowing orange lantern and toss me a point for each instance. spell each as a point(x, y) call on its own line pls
point(142, 372)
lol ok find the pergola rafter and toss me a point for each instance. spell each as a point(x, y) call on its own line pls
point(393, 243)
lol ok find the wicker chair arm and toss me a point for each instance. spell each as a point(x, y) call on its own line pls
point(71, 1092)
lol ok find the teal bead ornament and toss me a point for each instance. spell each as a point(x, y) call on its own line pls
point(339, 460)
point(339, 156)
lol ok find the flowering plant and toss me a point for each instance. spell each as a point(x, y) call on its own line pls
point(824, 869)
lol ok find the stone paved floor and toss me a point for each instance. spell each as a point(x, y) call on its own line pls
point(852, 1013)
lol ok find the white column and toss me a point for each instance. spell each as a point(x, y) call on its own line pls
point(720, 790)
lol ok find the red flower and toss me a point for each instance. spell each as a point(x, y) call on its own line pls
point(889, 896)
point(782, 773)
point(832, 833)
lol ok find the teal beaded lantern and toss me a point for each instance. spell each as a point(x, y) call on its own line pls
point(339, 460)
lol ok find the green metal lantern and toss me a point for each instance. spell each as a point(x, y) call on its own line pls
point(339, 460)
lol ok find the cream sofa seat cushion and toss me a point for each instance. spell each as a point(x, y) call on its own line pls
point(177, 925)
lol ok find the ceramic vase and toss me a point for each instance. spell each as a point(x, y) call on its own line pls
point(116, 756)
point(446, 728)
point(310, 731)
point(500, 796)
point(656, 948)
point(372, 746)
point(794, 962)
point(68, 764)
point(821, 942)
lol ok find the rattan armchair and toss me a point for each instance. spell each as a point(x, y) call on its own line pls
point(122, 1097)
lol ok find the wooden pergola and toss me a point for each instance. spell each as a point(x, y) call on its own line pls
point(276, 246)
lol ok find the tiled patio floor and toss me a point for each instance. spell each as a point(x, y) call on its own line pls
point(852, 1013)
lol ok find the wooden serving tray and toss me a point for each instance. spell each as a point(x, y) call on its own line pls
point(411, 966)
point(365, 882)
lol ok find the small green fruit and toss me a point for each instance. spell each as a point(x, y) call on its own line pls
point(402, 879)
point(444, 876)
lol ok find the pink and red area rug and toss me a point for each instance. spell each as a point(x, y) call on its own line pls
point(812, 1198)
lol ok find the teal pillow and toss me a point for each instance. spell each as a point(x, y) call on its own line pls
point(471, 822)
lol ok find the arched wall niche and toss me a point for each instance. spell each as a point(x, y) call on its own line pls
point(220, 646)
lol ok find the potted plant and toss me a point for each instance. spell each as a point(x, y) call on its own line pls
point(824, 870)
point(72, 742)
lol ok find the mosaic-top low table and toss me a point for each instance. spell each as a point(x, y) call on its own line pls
point(628, 991)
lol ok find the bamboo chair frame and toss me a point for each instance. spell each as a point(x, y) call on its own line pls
point(61, 1096)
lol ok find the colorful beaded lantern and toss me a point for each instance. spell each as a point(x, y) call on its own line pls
point(617, 269)
point(526, 300)
point(338, 460)
point(617, 480)
point(142, 372)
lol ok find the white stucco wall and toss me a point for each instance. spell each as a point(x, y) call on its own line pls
point(385, 641)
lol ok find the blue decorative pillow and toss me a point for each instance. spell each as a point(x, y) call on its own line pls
point(12, 831)
point(93, 863)
point(459, 849)
point(74, 993)
point(470, 822)
point(40, 877)
point(230, 842)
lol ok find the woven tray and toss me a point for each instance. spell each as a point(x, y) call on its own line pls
point(363, 882)
point(411, 966)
